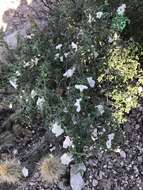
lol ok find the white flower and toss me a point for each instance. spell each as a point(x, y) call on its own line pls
point(69, 73)
point(77, 105)
point(17, 73)
point(30, 36)
point(129, 99)
point(13, 82)
point(61, 59)
point(57, 55)
point(40, 103)
point(90, 19)
point(91, 82)
point(67, 142)
point(65, 110)
point(110, 39)
point(81, 87)
point(116, 36)
point(99, 14)
point(25, 172)
point(10, 105)
point(66, 158)
point(96, 54)
point(140, 89)
point(34, 61)
point(52, 149)
point(101, 109)
point(66, 54)
point(33, 94)
point(26, 64)
point(59, 46)
point(109, 141)
point(56, 129)
point(121, 9)
point(94, 134)
point(74, 46)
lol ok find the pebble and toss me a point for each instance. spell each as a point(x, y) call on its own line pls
point(122, 154)
point(94, 182)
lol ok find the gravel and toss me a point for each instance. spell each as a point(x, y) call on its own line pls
point(120, 170)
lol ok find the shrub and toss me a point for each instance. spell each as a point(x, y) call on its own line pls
point(69, 73)
point(51, 169)
point(10, 171)
point(122, 78)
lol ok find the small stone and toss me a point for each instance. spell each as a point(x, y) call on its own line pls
point(137, 126)
point(101, 173)
point(25, 172)
point(15, 151)
point(76, 173)
point(122, 154)
point(94, 182)
point(31, 183)
point(77, 182)
point(140, 158)
point(11, 39)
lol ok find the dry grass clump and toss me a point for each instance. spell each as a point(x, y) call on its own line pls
point(10, 171)
point(51, 169)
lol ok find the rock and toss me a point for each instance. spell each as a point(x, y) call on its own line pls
point(94, 182)
point(122, 154)
point(11, 39)
point(16, 17)
point(78, 168)
point(101, 174)
point(62, 186)
point(140, 158)
point(77, 182)
point(25, 172)
point(29, 1)
point(109, 141)
point(76, 173)
point(4, 6)
point(8, 14)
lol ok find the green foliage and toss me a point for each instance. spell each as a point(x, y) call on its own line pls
point(135, 14)
point(122, 78)
point(78, 37)
point(119, 23)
